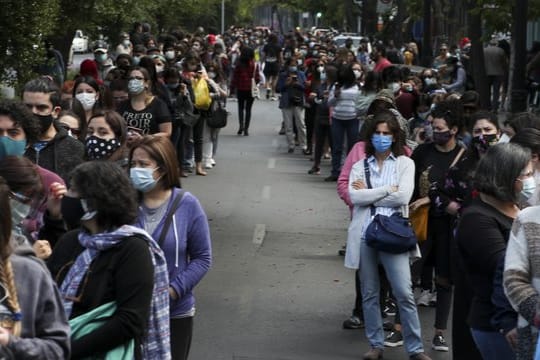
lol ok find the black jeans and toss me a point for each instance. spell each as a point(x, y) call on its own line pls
point(309, 120)
point(323, 132)
point(180, 138)
point(245, 102)
point(181, 335)
point(198, 129)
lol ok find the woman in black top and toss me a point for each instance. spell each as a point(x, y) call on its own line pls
point(432, 161)
point(94, 266)
point(481, 238)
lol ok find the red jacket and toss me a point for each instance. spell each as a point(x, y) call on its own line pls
point(241, 79)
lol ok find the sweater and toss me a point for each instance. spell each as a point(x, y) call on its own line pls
point(345, 107)
point(60, 155)
point(187, 249)
point(45, 330)
point(110, 278)
point(242, 75)
point(481, 239)
point(383, 196)
point(521, 276)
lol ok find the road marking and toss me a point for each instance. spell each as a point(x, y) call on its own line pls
point(259, 233)
point(266, 192)
point(271, 163)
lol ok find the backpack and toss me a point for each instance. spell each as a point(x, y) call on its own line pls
point(202, 94)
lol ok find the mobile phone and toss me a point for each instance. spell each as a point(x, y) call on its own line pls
point(133, 129)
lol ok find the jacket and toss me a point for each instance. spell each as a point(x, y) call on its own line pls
point(45, 330)
point(286, 91)
point(187, 249)
point(382, 196)
point(61, 155)
point(242, 75)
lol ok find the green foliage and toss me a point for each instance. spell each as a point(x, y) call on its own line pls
point(25, 24)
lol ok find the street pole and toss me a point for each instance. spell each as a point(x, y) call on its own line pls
point(222, 16)
point(518, 100)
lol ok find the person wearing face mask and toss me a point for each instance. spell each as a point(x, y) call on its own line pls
point(32, 326)
point(432, 162)
point(485, 230)
point(529, 138)
point(106, 138)
point(387, 190)
point(144, 112)
point(177, 221)
point(103, 61)
point(291, 84)
point(54, 149)
point(124, 46)
point(89, 94)
point(94, 267)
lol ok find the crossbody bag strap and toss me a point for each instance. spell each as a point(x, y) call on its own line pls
point(174, 206)
point(458, 156)
point(368, 181)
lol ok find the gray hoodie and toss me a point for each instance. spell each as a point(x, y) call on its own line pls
point(45, 330)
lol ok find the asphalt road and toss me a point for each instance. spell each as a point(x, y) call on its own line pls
point(277, 289)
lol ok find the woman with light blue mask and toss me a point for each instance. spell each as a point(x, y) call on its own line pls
point(176, 220)
point(383, 183)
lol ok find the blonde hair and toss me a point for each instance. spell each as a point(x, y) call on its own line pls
point(8, 279)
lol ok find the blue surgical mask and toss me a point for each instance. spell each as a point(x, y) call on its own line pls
point(143, 178)
point(293, 68)
point(529, 186)
point(381, 143)
point(19, 211)
point(10, 147)
point(323, 76)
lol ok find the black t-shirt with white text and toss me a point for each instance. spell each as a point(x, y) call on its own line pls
point(148, 119)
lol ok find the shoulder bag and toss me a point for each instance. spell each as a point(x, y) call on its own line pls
point(184, 111)
point(219, 116)
point(169, 217)
point(254, 88)
point(419, 217)
point(392, 234)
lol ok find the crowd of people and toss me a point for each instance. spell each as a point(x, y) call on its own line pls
point(91, 174)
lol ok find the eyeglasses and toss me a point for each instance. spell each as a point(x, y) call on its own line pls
point(74, 131)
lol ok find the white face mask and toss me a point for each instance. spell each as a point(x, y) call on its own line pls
point(87, 100)
point(394, 87)
point(126, 42)
point(160, 68)
point(357, 74)
point(529, 185)
point(504, 139)
point(169, 55)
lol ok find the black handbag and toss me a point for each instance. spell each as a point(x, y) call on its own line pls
point(218, 118)
point(392, 234)
point(185, 112)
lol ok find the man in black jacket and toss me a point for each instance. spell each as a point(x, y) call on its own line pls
point(54, 150)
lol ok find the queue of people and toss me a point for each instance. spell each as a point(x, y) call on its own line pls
point(91, 175)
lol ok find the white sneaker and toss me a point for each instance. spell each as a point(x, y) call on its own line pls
point(433, 300)
point(208, 165)
point(424, 298)
point(212, 162)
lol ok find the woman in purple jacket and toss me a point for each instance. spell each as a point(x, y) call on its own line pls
point(176, 220)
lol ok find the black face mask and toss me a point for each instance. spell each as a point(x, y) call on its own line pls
point(45, 122)
point(72, 211)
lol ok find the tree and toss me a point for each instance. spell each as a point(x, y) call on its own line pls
point(25, 26)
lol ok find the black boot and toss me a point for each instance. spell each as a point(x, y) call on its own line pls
point(240, 129)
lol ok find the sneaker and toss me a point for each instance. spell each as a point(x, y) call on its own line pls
point(353, 323)
point(424, 298)
point(439, 344)
point(273, 98)
point(419, 356)
point(315, 170)
point(331, 178)
point(388, 326)
point(394, 339)
point(390, 308)
point(282, 131)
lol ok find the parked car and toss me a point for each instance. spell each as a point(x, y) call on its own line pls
point(340, 39)
point(80, 42)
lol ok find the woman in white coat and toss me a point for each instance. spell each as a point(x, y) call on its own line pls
point(391, 175)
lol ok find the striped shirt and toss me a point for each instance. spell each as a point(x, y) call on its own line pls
point(387, 175)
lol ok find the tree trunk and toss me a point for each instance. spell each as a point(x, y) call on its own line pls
point(477, 56)
point(518, 62)
point(427, 51)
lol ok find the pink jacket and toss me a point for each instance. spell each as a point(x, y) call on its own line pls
point(357, 153)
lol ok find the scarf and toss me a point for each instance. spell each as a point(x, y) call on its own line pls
point(156, 344)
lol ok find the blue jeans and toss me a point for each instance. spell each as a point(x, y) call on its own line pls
point(340, 128)
point(492, 345)
point(398, 272)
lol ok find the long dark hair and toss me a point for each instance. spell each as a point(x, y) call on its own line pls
point(247, 55)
